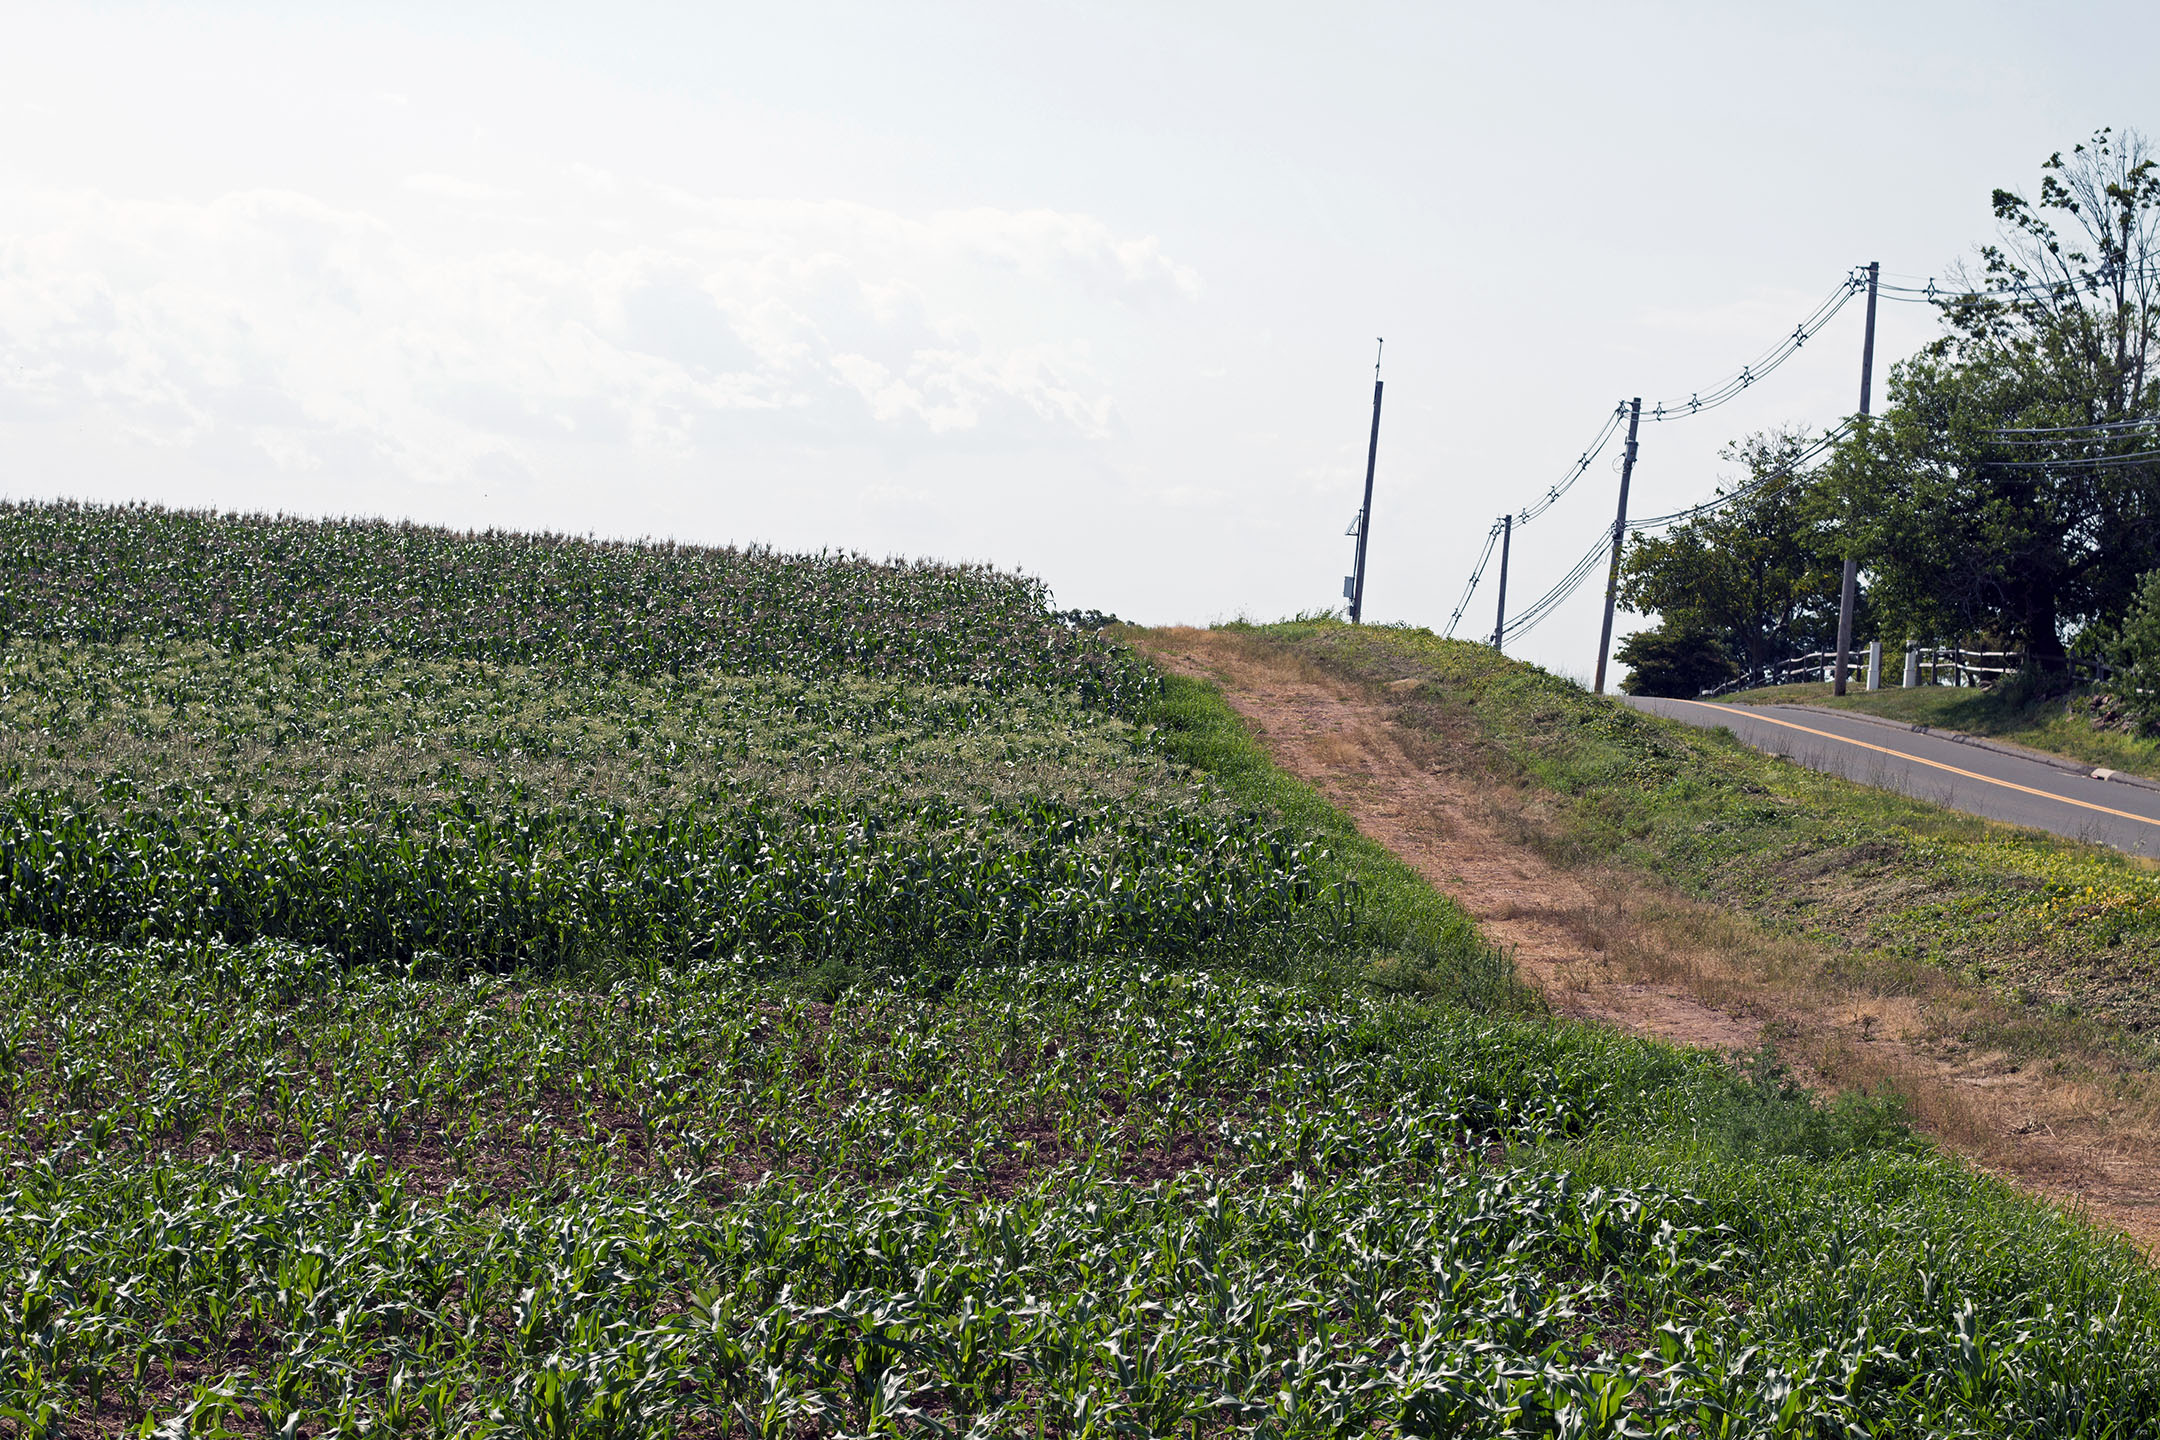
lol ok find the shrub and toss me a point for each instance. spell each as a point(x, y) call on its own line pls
point(2134, 651)
point(1676, 658)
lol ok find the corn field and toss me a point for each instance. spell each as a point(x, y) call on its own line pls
point(852, 1021)
point(89, 573)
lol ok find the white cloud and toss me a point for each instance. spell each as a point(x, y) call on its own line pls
point(650, 319)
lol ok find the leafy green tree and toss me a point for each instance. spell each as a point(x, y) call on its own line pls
point(1682, 658)
point(2133, 648)
point(1760, 574)
point(1967, 530)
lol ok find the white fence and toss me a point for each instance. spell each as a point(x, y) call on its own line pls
point(1927, 665)
point(1943, 665)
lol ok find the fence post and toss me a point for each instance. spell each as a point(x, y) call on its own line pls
point(1912, 668)
point(1874, 665)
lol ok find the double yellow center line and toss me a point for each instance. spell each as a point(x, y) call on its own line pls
point(1920, 760)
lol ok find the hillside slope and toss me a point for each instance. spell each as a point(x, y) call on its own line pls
point(1611, 942)
point(728, 993)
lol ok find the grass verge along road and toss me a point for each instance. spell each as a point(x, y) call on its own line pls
point(1680, 884)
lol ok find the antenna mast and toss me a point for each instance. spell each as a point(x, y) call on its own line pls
point(1364, 527)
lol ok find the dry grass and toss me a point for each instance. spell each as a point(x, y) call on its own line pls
point(1957, 1053)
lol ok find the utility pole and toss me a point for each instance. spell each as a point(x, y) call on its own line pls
point(1364, 529)
point(1849, 591)
point(1619, 535)
point(1499, 624)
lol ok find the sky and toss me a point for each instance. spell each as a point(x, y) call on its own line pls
point(1087, 291)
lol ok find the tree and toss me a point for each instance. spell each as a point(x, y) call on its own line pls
point(1680, 658)
point(1966, 529)
point(2077, 312)
point(1760, 575)
point(2134, 650)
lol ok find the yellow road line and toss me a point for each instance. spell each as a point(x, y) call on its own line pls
point(1921, 760)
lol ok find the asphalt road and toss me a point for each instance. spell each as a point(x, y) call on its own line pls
point(1941, 770)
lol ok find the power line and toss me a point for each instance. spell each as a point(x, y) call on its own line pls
point(2097, 426)
point(1726, 390)
point(2051, 434)
point(1735, 385)
point(1590, 453)
point(1492, 538)
point(1546, 604)
point(1709, 399)
point(1538, 507)
point(1931, 293)
point(1935, 292)
point(2083, 462)
point(1731, 388)
point(1538, 609)
point(1754, 486)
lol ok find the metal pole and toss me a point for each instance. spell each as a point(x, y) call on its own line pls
point(1848, 592)
point(1619, 536)
point(1499, 624)
point(1364, 531)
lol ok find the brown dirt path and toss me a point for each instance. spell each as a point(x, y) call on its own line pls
point(1617, 948)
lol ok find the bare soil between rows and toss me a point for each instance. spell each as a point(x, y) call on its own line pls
point(1618, 948)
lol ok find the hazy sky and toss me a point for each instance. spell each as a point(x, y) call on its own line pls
point(1086, 290)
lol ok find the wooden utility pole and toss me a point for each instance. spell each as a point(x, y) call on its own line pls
point(1499, 624)
point(1364, 529)
point(1849, 591)
point(1619, 536)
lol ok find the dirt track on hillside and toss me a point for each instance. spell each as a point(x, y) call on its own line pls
point(1615, 948)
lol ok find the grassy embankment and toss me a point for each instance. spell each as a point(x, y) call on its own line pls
point(2065, 935)
point(413, 1014)
point(2006, 712)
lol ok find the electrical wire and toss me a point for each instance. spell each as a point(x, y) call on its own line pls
point(2086, 438)
point(2072, 430)
point(1530, 616)
point(2054, 434)
point(1733, 386)
point(1754, 486)
point(1546, 604)
point(1492, 538)
point(2083, 462)
point(1929, 294)
point(1933, 293)
point(1538, 507)
point(1537, 610)
point(1590, 453)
